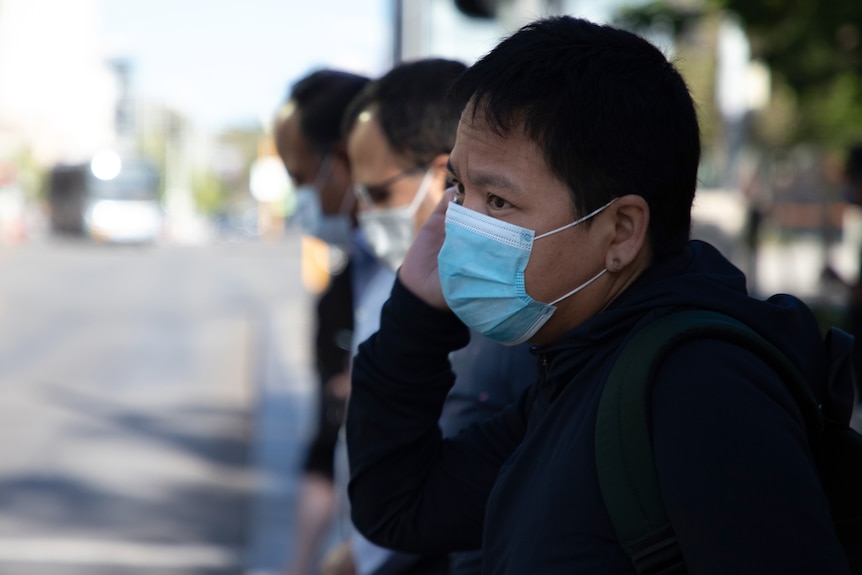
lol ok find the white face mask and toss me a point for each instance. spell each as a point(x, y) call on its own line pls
point(390, 232)
point(334, 229)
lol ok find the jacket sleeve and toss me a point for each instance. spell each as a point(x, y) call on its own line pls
point(737, 475)
point(410, 489)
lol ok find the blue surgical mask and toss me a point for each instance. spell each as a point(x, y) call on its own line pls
point(335, 229)
point(481, 266)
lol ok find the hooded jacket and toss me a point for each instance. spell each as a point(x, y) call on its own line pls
point(736, 472)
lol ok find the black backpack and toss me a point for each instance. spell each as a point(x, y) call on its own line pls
point(624, 456)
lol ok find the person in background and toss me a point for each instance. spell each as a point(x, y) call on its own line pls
point(309, 143)
point(853, 194)
point(852, 320)
point(400, 130)
point(575, 168)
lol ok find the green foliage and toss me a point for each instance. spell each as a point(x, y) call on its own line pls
point(243, 142)
point(693, 30)
point(835, 108)
point(152, 145)
point(778, 124)
point(815, 47)
point(812, 47)
point(32, 176)
point(674, 16)
point(209, 192)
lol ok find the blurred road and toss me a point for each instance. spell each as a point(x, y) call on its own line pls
point(152, 404)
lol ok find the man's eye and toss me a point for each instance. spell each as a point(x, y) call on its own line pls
point(497, 202)
point(378, 195)
point(456, 186)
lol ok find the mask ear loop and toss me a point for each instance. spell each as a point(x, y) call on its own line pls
point(348, 202)
point(580, 287)
point(422, 192)
point(324, 172)
point(362, 195)
point(576, 222)
point(571, 225)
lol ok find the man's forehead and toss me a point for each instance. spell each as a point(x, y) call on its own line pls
point(472, 129)
point(365, 137)
point(476, 131)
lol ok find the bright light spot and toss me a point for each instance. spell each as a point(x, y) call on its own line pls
point(106, 165)
point(124, 220)
point(285, 111)
point(269, 181)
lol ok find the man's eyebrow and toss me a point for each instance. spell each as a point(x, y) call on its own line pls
point(486, 179)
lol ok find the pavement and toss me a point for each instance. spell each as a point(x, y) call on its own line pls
point(283, 425)
point(154, 408)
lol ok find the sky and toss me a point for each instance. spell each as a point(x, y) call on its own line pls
point(226, 63)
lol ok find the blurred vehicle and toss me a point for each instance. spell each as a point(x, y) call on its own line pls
point(110, 200)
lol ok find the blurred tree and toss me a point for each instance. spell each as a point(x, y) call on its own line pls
point(813, 49)
point(238, 150)
point(210, 192)
point(688, 35)
point(32, 176)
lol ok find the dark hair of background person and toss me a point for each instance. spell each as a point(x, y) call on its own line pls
point(415, 113)
point(321, 98)
point(611, 114)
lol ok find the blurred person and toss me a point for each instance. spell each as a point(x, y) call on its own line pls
point(400, 130)
point(309, 143)
point(853, 176)
point(853, 317)
point(575, 168)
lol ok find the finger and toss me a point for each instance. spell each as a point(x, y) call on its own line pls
point(448, 197)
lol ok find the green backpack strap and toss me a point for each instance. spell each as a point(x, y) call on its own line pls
point(624, 457)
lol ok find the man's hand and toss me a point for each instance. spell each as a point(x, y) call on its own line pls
point(339, 561)
point(419, 271)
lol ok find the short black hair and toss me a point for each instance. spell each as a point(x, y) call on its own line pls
point(414, 111)
point(321, 98)
point(610, 113)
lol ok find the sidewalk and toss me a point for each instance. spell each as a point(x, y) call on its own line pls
point(282, 426)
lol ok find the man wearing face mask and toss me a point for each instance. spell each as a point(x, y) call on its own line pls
point(400, 130)
point(575, 171)
point(308, 140)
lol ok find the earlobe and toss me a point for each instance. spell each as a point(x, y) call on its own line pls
point(629, 238)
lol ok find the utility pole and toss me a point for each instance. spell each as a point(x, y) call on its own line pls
point(397, 31)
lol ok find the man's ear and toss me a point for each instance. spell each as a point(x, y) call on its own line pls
point(338, 151)
point(629, 240)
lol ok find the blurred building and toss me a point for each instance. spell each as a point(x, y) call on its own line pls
point(467, 29)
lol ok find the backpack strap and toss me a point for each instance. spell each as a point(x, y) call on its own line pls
point(624, 456)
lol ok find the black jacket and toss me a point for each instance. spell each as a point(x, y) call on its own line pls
point(736, 472)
